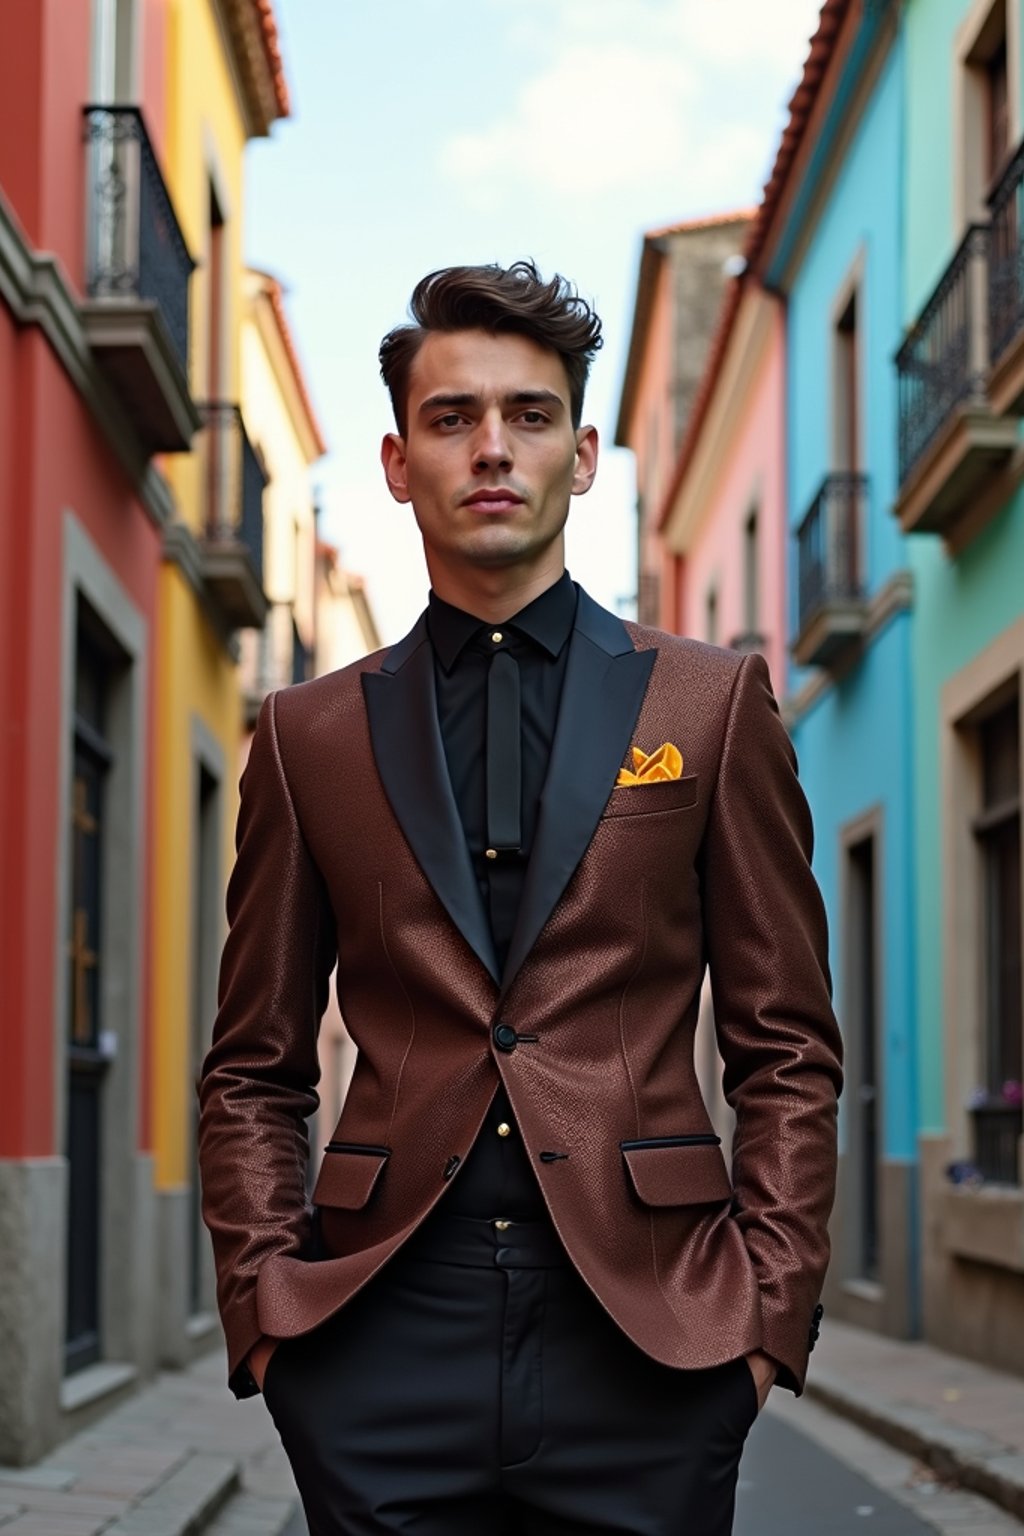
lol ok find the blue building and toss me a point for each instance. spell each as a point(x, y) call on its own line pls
point(830, 244)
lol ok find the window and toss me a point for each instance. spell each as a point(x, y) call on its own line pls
point(985, 107)
point(997, 112)
point(215, 332)
point(750, 573)
point(997, 833)
point(847, 424)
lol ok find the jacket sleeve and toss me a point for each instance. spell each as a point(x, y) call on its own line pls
point(258, 1082)
point(767, 945)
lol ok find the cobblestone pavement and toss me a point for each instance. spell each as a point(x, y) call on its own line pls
point(181, 1456)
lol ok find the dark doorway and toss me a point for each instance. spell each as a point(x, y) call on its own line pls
point(87, 1046)
point(863, 1036)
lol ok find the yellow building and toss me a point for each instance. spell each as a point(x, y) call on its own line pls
point(224, 86)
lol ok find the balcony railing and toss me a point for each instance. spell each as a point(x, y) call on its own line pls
point(137, 277)
point(1006, 258)
point(1006, 290)
point(302, 657)
point(136, 247)
point(829, 591)
point(233, 486)
point(944, 359)
point(953, 440)
point(997, 1132)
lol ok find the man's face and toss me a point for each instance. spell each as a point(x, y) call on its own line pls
point(490, 457)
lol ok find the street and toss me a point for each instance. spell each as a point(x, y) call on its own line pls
point(789, 1484)
point(827, 1478)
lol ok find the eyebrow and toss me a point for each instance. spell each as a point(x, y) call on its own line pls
point(517, 397)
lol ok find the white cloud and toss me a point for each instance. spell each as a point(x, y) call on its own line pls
point(635, 93)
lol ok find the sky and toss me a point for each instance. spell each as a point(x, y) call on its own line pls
point(425, 134)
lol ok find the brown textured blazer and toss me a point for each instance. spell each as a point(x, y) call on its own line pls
point(350, 847)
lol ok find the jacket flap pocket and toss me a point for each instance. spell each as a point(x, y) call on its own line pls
point(347, 1174)
point(689, 1173)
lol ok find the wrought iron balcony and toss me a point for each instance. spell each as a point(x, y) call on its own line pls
point(750, 640)
point(137, 279)
point(831, 606)
point(1006, 290)
point(232, 540)
point(950, 440)
point(302, 657)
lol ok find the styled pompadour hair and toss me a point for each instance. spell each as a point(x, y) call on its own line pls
point(495, 299)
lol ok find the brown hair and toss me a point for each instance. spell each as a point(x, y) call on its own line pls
point(493, 298)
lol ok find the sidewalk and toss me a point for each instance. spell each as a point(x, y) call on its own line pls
point(181, 1457)
point(965, 1421)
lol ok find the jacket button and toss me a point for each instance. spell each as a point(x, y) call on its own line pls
point(505, 1037)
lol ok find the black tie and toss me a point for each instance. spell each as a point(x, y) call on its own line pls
point(504, 756)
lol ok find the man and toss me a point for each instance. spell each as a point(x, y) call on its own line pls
point(528, 1296)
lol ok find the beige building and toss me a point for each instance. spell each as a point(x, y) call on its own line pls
point(345, 630)
point(286, 436)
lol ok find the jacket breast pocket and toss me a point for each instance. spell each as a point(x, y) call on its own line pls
point(646, 799)
point(677, 1170)
point(348, 1174)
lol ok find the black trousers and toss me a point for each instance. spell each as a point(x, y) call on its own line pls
point(476, 1387)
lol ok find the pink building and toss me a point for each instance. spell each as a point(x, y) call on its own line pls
point(722, 519)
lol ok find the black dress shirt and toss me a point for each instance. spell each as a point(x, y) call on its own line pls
point(497, 1179)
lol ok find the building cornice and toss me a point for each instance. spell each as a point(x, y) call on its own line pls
point(37, 292)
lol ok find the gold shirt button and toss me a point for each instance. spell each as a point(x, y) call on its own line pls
point(497, 637)
point(502, 1226)
point(491, 853)
point(504, 1129)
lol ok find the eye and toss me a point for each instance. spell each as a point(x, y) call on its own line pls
point(450, 419)
point(533, 418)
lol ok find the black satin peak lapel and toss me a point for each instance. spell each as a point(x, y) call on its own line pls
point(605, 682)
point(401, 707)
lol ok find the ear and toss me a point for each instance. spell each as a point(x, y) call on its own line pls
point(586, 460)
point(392, 456)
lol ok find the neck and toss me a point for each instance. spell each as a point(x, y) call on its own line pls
point(494, 595)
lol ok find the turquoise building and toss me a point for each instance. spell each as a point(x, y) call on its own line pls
point(959, 501)
point(831, 245)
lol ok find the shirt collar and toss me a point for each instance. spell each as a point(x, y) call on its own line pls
point(547, 621)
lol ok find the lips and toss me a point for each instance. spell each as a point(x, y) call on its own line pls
point(500, 500)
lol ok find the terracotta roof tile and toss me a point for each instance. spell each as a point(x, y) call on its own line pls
point(272, 48)
point(712, 221)
point(801, 104)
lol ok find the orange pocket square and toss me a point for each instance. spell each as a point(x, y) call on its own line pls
point(654, 767)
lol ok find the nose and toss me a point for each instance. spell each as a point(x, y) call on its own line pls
point(492, 446)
